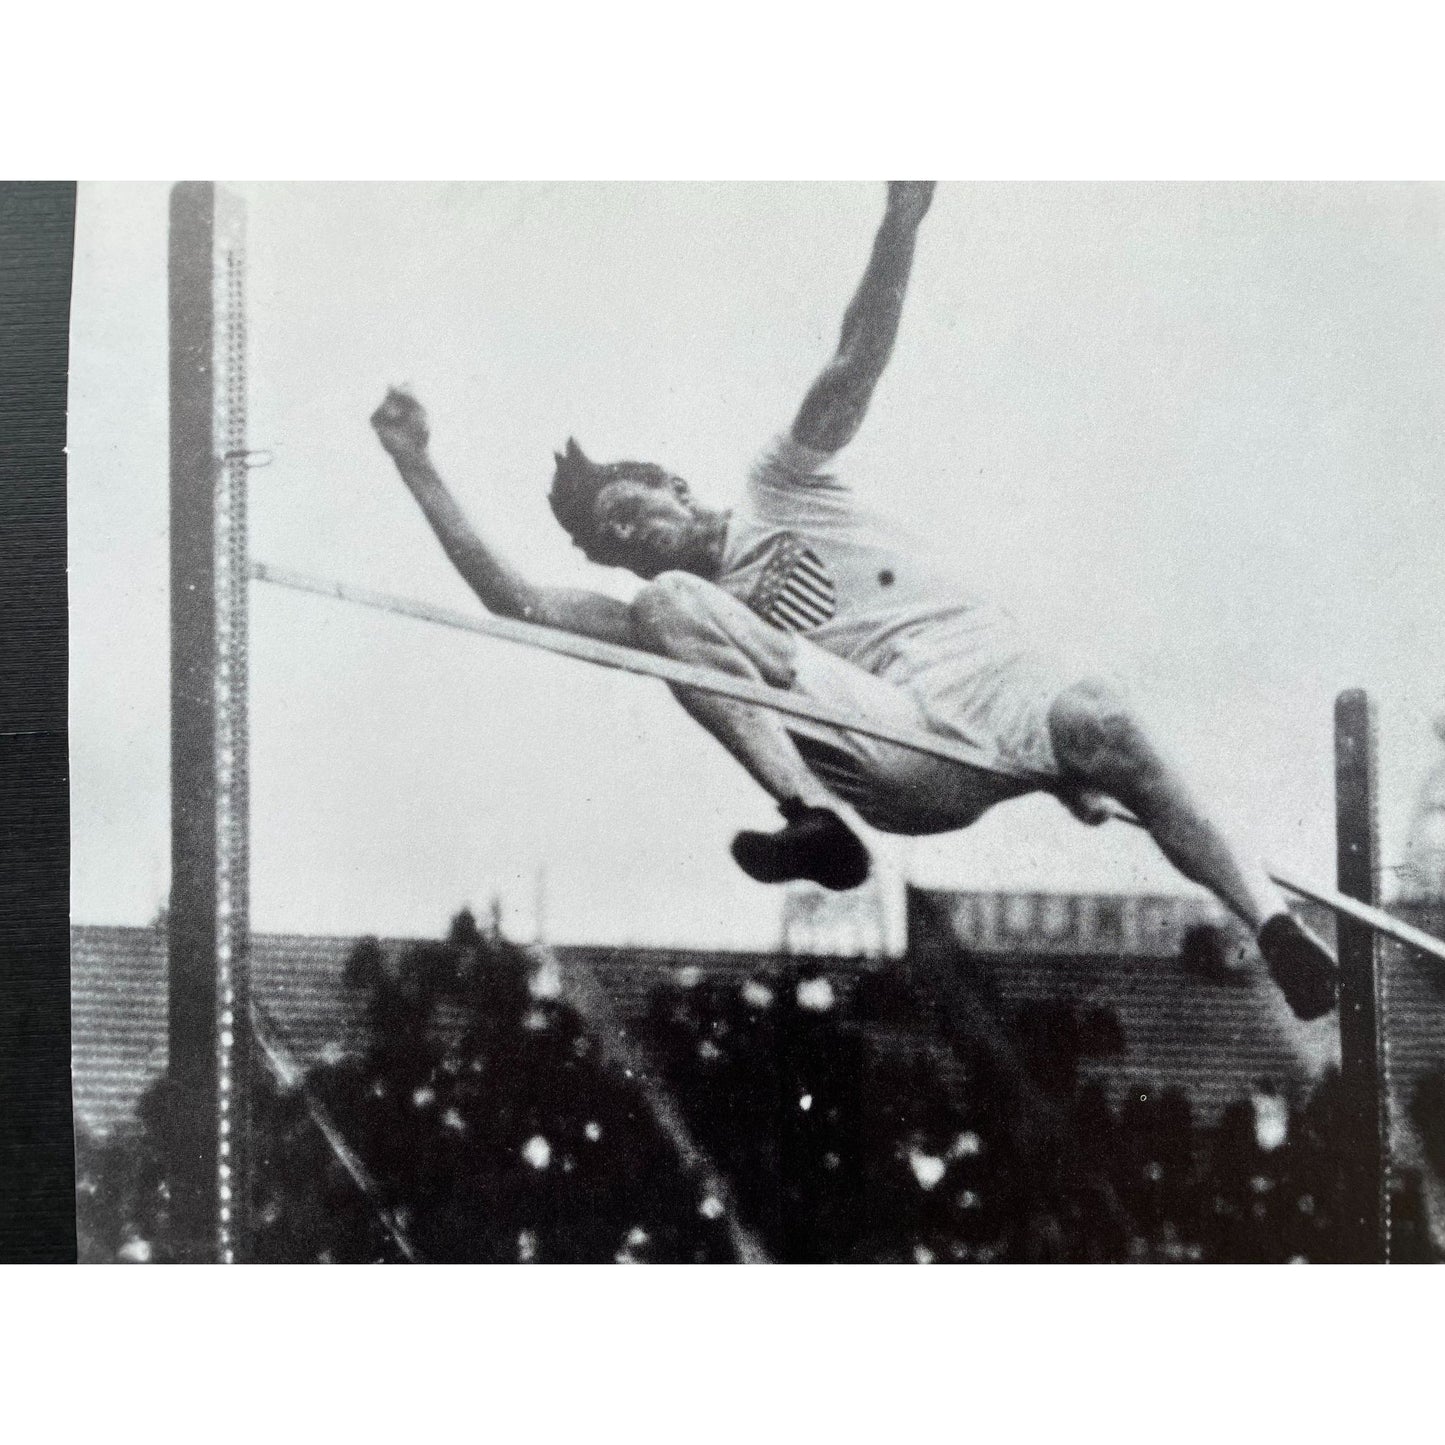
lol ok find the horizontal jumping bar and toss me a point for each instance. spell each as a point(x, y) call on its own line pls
point(630, 659)
point(1365, 913)
point(705, 679)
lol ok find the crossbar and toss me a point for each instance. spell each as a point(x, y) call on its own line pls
point(722, 684)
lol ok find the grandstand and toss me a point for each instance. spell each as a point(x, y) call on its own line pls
point(1212, 1036)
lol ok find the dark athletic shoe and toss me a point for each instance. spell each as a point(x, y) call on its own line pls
point(1301, 965)
point(816, 844)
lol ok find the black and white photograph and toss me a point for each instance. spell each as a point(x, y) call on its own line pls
point(850, 722)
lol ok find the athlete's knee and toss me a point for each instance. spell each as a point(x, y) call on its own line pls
point(1098, 736)
point(692, 620)
point(674, 610)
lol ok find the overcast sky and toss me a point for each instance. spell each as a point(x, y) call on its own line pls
point(1193, 431)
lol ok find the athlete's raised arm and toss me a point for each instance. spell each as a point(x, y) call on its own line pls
point(835, 406)
point(400, 424)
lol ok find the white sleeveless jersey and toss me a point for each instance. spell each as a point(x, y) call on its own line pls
point(803, 557)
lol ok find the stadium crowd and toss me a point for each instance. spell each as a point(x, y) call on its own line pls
point(849, 1141)
point(494, 1129)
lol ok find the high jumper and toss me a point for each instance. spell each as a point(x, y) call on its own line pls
point(797, 588)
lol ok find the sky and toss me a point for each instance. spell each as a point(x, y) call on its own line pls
point(1193, 432)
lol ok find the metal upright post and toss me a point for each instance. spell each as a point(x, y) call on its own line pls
point(208, 920)
point(1365, 1150)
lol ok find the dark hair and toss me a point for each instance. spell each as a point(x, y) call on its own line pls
point(576, 485)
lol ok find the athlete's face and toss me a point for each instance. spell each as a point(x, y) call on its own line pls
point(653, 525)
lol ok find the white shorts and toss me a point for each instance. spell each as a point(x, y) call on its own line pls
point(1001, 710)
point(980, 685)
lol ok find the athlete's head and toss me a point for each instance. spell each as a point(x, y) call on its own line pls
point(629, 514)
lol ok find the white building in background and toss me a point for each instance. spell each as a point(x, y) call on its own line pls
point(1424, 876)
point(866, 922)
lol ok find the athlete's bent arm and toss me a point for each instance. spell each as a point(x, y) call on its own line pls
point(835, 406)
point(401, 427)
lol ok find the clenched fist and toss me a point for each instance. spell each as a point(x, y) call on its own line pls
point(400, 424)
point(908, 201)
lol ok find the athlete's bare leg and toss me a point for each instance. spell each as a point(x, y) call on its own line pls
point(679, 616)
point(1102, 744)
point(694, 621)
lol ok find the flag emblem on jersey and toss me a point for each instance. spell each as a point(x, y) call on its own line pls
point(795, 591)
